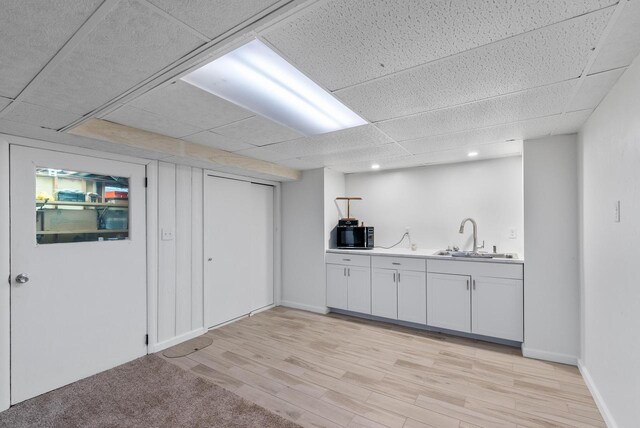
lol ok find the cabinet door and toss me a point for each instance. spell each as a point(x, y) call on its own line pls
point(412, 296)
point(449, 301)
point(384, 293)
point(497, 307)
point(359, 289)
point(337, 286)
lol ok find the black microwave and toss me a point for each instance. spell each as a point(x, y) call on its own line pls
point(358, 237)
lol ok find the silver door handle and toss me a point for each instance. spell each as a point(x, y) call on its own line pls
point(467, 284)
point(394, 277)
point(474, 284)
point(22, 278)
point(398, 276)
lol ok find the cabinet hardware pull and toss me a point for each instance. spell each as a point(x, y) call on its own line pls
point(467, 284)
point(348, 271)
point(394, 277)
point(395, 263)
point(346, 260)
point(474, 284)
point(345, 272)
point(398, 276)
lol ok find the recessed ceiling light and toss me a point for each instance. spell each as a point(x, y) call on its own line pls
point(258, 79)
point(472, 154)
point(375, 166)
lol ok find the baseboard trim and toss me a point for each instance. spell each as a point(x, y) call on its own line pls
point(555, 357)
point(597, 397)
point(175, 340)
point(294, 305)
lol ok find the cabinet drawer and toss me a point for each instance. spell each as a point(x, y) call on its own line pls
point(464, 267)
point(399, 263)
point(348, 259)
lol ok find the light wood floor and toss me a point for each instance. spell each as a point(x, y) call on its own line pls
point(337, 371)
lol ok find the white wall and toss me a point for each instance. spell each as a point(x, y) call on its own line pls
point(180, 260)
point(610, 168)
point(303, 242)
point(551, 273)
point(433, 200)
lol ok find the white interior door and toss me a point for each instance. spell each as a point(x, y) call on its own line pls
point(83, 309)
point(238, 244)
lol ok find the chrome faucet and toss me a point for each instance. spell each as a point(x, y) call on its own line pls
point(475, 232)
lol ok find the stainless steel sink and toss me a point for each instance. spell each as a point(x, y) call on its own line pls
point(472, 255)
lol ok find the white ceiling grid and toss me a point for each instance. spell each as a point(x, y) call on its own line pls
point(435, 79)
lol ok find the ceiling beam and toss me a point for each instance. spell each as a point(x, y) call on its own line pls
point(133, 137)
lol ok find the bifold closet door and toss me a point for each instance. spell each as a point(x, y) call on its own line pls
point(238, 248)
point(261, 245)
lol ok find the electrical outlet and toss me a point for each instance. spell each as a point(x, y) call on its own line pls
point(616, 208)
point(167, 234)
point(513, 233)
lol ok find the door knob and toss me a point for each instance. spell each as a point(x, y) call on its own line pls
point(22, 278)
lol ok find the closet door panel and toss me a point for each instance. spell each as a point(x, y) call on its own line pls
point(227, 237)
point(261, 246)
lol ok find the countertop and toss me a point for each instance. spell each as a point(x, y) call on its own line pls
point(420, 253)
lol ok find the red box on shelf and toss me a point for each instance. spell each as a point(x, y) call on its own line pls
point(116, 195)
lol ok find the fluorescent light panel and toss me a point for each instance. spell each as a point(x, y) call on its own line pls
point(257, 79)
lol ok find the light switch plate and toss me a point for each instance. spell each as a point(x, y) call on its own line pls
point(167, 235)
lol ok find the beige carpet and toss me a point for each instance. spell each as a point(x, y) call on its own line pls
point(147, 392)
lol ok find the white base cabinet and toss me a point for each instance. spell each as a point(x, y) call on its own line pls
point(476, 297)
point(399, 289)
point(359, 289)
point(349, 283)
point(497, 307)
point(337, 287)
point(384, 293)
point(449, 301)
point(412, 296)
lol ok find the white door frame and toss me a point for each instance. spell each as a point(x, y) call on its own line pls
point(5, 290)
point(277, 228)
point(5, 308)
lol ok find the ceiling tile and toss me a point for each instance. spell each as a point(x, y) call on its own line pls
point(136, 118)
point(572, 122)
point(188, 104)
point(594, 88)
point(533, 128)
point(210, 139)
point(551, 54)
point(485, 151)
point(39, 116)
point(263, 154)
point(257, 130)
point(4, 102)
point(343, 43)
point(346, 139)
point(213, 17)
point(395, 163)
point(528, 104)
point(623, 42)
point(377, 153)
point(32, 32)
point(131, 44)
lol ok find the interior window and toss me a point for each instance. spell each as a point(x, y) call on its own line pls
point(78, 206)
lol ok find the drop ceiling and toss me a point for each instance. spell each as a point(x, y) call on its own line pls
point(434, 79)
